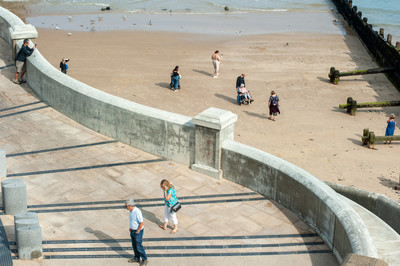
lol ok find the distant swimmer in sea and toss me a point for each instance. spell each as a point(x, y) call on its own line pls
point(216, 59)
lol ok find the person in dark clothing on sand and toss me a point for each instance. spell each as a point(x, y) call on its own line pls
point(273, 104)
point(20, 61)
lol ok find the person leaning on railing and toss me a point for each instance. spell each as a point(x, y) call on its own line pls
point(20, 61)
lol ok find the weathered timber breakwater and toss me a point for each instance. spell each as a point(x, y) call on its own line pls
point(383, 51)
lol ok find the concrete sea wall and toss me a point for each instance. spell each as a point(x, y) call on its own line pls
point(334, 220)
point(207, 143)
point(158, 132)
point(383, 207)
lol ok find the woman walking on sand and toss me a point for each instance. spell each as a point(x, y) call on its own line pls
point(216, 59)
point(273, 104)
point(170, 200)
point(391, 125)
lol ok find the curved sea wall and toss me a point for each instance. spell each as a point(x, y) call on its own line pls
point(158, 132)
point(7, 20)
point(383, 207)
point(206, 142)
point(319, 206)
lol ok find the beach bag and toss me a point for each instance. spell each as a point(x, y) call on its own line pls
point(177, 206)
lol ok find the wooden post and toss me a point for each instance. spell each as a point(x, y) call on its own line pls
point(349, 102)
point(350, 3)
point(382, 32)
point(389, 38)
point(334, 76)
point(336, 79)
point(365, 136)
point(371, 140)
point(398, 46)
point(365, 20)
point(330, 75)
point(353, 108)
point(359, 14)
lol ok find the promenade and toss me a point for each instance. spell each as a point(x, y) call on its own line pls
point(77, 181)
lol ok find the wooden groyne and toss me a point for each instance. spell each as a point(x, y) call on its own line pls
point(352, 105)
point(335, 74)
point(368, 138)
point(384, 52)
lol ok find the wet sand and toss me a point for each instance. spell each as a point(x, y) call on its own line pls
point(311, 131)
point(229, 24)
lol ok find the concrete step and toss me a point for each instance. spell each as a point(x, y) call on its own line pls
point(186, 247)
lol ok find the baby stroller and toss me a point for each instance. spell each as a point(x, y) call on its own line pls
point(241, 98)
point(175, 79)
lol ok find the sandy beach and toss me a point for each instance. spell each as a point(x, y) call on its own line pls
point(311, 132)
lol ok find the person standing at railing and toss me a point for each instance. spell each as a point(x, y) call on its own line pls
point(20, 61)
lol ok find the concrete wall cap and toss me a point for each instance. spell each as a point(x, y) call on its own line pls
point(47, 69)
point(33, 227)
point(11, 181)
point(26, 31)
point(215, 118)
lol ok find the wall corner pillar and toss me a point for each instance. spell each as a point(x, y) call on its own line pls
point(212, 127)
point(20, 32)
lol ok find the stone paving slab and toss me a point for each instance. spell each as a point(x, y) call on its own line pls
point(65, 163)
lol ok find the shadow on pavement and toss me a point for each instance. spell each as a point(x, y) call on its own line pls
point(113, 244)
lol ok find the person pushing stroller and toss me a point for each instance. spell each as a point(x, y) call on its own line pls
point(175, 77)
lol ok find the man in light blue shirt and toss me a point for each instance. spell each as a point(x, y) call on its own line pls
point(136, 229)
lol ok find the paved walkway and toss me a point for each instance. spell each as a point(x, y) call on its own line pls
point(77, 180)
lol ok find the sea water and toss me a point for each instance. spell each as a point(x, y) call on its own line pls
point(381, 13)
point(176, 6)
